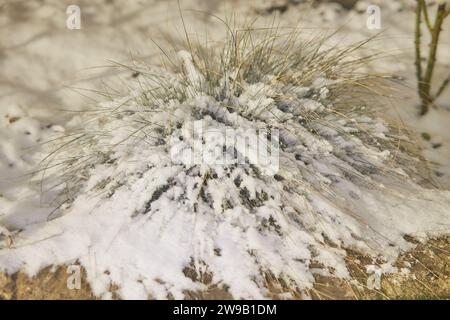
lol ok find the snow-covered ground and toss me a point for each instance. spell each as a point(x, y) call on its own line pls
point(47, 68)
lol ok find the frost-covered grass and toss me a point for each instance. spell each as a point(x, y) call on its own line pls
point(135, 211)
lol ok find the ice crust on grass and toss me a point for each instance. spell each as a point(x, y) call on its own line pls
point(135, 211)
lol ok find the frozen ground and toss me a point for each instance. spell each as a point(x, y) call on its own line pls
point(47, 68)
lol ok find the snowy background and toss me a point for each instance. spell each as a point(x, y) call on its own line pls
point(49, 73)
point(47, 68)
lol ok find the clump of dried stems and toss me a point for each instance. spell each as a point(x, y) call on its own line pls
point(248, 55)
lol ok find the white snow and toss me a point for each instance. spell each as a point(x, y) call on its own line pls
point(144, 214)
point(137, 211)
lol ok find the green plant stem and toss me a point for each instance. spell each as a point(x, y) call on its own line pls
point(425, 14)
point(424, 80)
point(443, 86)
point(417, 41)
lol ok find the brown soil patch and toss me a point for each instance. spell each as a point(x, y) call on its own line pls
point(48, 284)
point(429, 276)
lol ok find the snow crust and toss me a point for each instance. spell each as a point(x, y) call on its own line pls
point(135, 211)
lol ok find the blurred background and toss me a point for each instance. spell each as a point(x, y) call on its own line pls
point(47, 67)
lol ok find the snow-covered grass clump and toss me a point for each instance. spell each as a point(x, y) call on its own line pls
point(148, 202)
